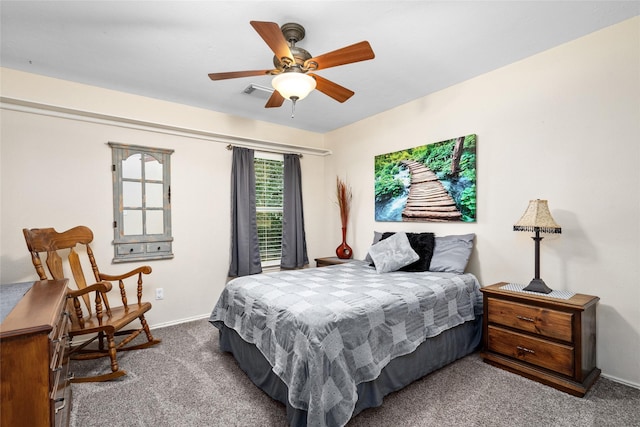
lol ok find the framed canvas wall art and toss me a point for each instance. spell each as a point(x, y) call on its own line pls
point(430, 183)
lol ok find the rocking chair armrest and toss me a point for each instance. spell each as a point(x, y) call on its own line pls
point(145, 269)
point(100, 286)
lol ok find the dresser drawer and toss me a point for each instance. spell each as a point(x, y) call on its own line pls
point(60, 392)
point(539, 352)
point(59, 340)
point(529, 318)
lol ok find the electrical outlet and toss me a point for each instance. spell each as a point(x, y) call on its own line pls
point(159, 293)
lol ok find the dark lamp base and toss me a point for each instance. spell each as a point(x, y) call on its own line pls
point(538, 285)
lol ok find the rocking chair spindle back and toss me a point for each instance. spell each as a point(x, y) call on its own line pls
point(94, 317)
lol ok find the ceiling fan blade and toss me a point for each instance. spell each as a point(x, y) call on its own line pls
point(355, 53)
point(272, 35)
point(275, 100)
point(236, 74)
point(334, 90)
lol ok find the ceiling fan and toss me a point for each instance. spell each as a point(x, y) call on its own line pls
point(294, 78)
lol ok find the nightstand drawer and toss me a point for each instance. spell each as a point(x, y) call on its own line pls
point(546, 354)
point(537, 320)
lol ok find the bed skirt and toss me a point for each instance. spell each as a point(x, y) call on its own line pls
point(431, 355)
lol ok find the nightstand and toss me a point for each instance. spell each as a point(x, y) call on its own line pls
point(331, 260)
point(549, 340)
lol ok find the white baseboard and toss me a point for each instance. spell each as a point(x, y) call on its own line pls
point(621, 381)
point(179, 321)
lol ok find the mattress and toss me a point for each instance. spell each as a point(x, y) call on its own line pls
point(326, 330)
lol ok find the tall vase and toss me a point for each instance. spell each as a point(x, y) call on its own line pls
point(344, 251)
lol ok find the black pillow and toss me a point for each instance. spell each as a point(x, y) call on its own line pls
point(423, 244)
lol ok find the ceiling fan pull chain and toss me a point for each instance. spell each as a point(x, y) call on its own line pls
point(293, 107)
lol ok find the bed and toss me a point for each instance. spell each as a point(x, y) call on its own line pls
point(330, 342)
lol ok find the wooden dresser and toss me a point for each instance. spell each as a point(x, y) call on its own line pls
point(34, 344)
point(549, 340)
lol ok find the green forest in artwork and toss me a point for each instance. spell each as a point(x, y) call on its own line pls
point(450, 197)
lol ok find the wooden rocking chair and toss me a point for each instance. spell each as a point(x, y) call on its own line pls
point(106, 322)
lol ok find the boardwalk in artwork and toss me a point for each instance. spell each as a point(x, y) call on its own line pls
point(428, 200)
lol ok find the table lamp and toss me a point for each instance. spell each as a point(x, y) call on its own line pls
point(537, 219)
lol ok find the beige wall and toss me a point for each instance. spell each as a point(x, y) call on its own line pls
point(562, 125)
point(56, 172)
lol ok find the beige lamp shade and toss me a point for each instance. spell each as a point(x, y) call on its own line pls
point(537, 218)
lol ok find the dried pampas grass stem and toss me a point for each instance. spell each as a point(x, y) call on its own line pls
point(343, 192)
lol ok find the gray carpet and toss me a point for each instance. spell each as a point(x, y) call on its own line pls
point(187, 381)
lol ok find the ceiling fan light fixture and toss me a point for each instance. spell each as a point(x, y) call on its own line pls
point(294, 85)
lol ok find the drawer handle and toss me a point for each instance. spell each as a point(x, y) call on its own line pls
point(59, 408)
point(525, 350)
point(526, 319)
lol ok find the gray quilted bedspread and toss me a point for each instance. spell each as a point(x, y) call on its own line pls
point(325, 330)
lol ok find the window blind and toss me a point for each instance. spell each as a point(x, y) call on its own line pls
point(269, 186)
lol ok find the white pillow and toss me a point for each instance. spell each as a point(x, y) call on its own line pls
point(392, 253)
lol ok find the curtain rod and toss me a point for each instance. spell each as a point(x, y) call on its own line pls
point(230, 147)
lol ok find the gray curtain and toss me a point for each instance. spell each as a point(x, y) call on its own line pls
point(294, 244)
point(245, 248)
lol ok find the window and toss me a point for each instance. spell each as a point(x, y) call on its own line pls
point(141, 203)
point(269, 169)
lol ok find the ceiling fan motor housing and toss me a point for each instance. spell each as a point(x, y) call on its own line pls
point(299, 54)
point(293, 33)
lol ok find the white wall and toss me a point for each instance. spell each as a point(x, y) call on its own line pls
point(562, 125)
point(55, 172)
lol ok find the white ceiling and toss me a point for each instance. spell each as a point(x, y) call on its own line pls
point(165, 49)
